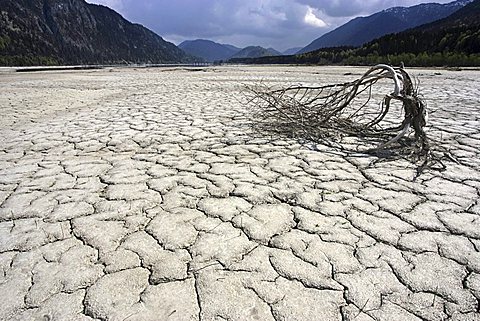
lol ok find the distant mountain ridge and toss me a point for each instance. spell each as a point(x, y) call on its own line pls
point(452, 41)
point(208, 50)
point(361, 30)
point(212, 51)
point(457, 33)
point(76, 32)
point(255, 52)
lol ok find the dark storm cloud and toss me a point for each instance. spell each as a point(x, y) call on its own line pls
point(277, 23)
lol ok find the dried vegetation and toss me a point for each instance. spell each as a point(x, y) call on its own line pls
point(352, 117)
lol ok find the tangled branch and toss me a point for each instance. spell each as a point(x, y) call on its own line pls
point(348, 116)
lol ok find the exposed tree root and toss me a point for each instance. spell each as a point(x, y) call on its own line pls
point(345, 116)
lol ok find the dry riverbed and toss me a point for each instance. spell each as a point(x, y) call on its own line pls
point(143, 194)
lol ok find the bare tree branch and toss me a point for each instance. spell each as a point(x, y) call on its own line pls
point(333, 113)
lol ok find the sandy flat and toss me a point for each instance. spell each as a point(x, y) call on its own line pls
point(143, 194)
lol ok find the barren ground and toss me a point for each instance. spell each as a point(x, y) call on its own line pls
point(143, 195)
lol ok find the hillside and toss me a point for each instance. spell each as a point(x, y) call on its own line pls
point(458, 33)
point(452, 41)
point(41, 32)
point(364, 29)
point(211, 51)
point(208, 50)
point(255, 52)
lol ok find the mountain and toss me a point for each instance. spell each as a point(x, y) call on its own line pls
point(208, 50)
point(364, 29)
point(233, 47)
point(452, 41)
point(255, 52)
point(35, 32)
point(211, 51)
point(458, 33)
point(291, 51)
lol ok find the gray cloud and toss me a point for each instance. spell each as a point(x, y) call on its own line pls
point(270, 23)
point(351, 8)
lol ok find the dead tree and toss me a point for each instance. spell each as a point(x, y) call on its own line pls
point(349, 116)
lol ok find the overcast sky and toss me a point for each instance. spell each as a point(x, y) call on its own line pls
point(280, 24)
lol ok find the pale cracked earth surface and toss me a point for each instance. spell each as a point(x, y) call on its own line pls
point(142, 195)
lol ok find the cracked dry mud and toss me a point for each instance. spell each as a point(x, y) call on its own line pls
point(143, 195)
